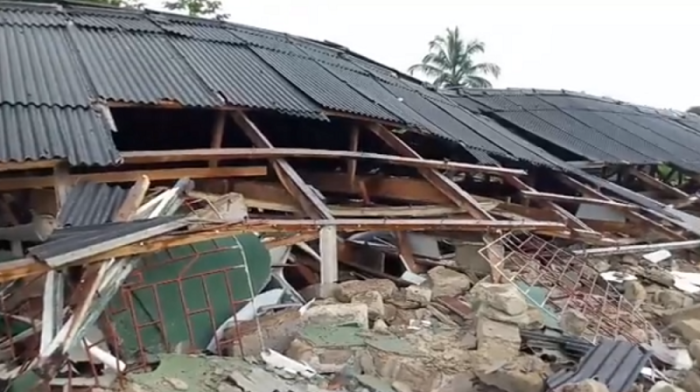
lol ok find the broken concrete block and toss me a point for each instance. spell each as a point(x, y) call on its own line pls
point(694, 350)
point(525, 374)
point(688, 329)
point(663, 386)
point(374, 303)
point(573, 322)
point(634, 292)
point(346, 290)
point(586, 386)
point(446, 282)
point(531, 319)
point(419, 294)
point(399, 386)
point(672, 299)
point(176, 383)
point(503, 297)
point(689, 312)
point(497, 341)
point(691, 382)
point(380, 326)
point(468, 257)
point(338, 314)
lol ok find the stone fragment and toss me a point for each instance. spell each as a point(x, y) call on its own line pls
point(586, 386)
point(497, 341)
point(634, 292)
point(672, 299)
point(691, 382)
point(300, 350)
point(419, 294)
point(526, 374)
point(629, 260)
point(338, 314)
point(447, 282)
point(400, 386)
point(531, 319)
point(662, 277)
point(373, 300)
point(380, 326)
point(503, 297)
point(573, 322)
point(346, 290)
point(176, 383)
point(688, 329)
point(663, 386)
point(694, 350)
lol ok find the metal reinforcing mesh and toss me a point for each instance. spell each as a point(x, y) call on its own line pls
point(556, 280)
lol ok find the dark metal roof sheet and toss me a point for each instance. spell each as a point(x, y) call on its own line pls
point(277, 42)
point(32, 15)
point(243, 78)
point(90, 203)
point(601, 140)
point(616, 364)
point(37, 67)
point(58, 252)
point(534, 125)
point(139, 68)
point(620, 135)
point(80, 136)
point(322, 86)
point(103, 19)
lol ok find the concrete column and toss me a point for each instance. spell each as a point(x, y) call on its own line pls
point(329, 259)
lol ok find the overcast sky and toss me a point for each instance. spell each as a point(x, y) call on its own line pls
point(643, 51)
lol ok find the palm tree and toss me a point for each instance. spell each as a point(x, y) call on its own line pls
point(451, 62)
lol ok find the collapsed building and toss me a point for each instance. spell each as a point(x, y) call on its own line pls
point(174, 186)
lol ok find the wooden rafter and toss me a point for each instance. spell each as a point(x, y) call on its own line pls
point(38, 182)
point(217, 135)
point(576, 200)
point(451, 190)
point(633, 215)
point(205, 154)
point(658, 184)
point(290, 179)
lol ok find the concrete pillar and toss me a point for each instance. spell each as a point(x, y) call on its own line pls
point(329, 259)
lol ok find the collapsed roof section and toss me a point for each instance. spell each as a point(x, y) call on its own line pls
point(592, 128)
point(78, 56)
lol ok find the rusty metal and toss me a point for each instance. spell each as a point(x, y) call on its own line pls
point(536, 267)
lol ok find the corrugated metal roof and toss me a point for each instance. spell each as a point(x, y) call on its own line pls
point(601, 140)
point(90, 203)
point(37, 67)
point(322, 86)
point(139, 68)
point(78, 135)
point(113, 20)
point(57, 252)
point(243, 78)
point(534, 125)
point(32, 15)
point(616, 364)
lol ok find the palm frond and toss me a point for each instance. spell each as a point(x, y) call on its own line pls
point(488, 69)
point(475, 81)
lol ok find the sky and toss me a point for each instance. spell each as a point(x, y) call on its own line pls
point(643, 51)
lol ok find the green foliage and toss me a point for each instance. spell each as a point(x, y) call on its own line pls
point(112, 3)
point(450, 62)
point(202, 8)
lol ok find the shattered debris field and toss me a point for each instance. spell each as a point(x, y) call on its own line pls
point(195, 205)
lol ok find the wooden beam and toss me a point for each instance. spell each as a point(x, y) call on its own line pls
point(290, 179)
point(658, 184)
point(632, 215)
point(576, 200)
point(10, 184)
point(396, 188)
point(458, 195)
point(134, 199)
point(352, 163)
point(16, 269)
point(274, 198)
point(576, 224)
point(29, 165)
point(217, 135)
point(61, 184)
point(206, 154)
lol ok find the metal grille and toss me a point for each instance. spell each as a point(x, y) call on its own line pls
point(556, 280)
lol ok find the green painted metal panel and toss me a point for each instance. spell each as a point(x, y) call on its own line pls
point(183, 294)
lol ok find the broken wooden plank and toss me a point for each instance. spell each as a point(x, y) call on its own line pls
point(205, 154)
point(8, 184)
point(217, 135)
point(658, 184)
point(290, 179)
point(575, 199)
